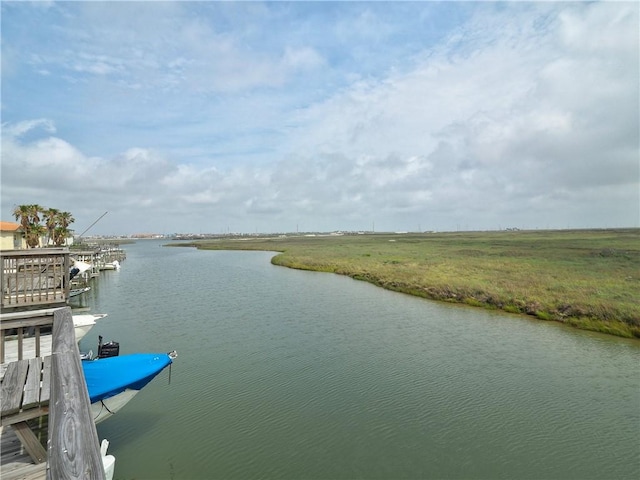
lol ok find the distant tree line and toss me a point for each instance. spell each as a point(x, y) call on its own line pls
point(55, 224)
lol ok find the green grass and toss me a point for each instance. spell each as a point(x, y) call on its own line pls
point(589, 279)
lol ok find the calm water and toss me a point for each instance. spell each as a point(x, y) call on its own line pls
point(284, 374)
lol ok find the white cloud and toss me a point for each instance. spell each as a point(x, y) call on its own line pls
point(20, 128)
point(526, 115)
point(505, 122)
point(302, 58)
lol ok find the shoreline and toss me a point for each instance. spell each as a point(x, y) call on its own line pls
point(615, 328)
point(585, 279)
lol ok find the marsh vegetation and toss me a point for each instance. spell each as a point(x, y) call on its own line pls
point(589, 279)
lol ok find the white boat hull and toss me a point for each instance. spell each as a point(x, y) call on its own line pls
point(115, 265)
point(83, 323)
point(103, 409)
point(108, 461)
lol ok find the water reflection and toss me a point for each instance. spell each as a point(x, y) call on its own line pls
point(290, 374)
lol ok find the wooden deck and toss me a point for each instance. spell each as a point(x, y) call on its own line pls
point(15, 462)
point(29, 388)
point(25, 396)
point(28, 351)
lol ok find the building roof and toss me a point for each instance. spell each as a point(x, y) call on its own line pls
point(9, 226)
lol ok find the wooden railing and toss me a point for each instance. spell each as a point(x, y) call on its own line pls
point(34, 278)
point(20, 331)
point(73, 448)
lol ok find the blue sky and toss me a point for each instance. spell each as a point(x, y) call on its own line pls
point(209, 117)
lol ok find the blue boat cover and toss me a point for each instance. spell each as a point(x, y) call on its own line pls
point(110, 376)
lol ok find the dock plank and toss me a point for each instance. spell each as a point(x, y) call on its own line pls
point(15, 463)
point(12, 387)
point(28, 348)
point(32, 386)
point(46, 380)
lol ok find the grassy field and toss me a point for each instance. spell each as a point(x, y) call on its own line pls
point(586, 278)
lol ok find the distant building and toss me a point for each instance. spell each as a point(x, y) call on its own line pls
point(147, 235)
point(11, 236)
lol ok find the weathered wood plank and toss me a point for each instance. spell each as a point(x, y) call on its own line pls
point(13, 387)
point(10, 321)
point(20, 340)
point(29, 348)
point(24, 415)
point(14, 459)
point(33, 279)
point(32, 385)
point(74, 451)
point(18, 345)
point(37, 340)
point(29, 314)
point(46, 380)
point(30, 442)
point(28, 393)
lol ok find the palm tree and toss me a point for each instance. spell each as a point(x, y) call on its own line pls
point(34, 213)
point(56, 224)
point(51, 222)
point(62, 231)
point(35, 231)
point(29, 216)
point(21, 212)
point(66, 219)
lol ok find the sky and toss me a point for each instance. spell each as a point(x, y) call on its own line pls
point(269, 117)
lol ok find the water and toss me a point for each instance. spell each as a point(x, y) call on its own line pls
point(285, 374)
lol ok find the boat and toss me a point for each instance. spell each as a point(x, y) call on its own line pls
point(115, 265)
point(83, 323)
point(108, 461)
point(112, 382)
point(74, 292)
point(78, 268)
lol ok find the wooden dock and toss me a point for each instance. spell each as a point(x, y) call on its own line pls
point(15, 462)
point(52, 383)
point(25, 334)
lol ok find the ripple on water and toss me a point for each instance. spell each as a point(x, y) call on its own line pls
point(287, 374)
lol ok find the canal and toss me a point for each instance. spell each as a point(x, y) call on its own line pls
point(285, 374)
